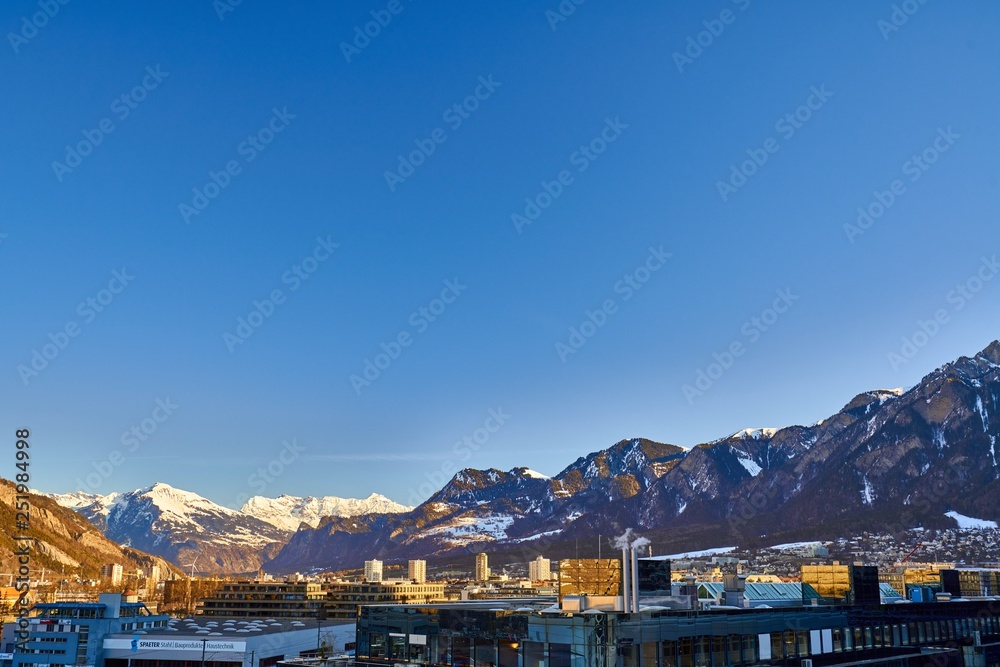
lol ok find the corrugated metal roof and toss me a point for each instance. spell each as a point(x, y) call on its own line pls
point(888, 591)
point(763, 591)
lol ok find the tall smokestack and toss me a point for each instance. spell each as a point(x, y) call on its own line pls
point(626, 588)
point(635, 580)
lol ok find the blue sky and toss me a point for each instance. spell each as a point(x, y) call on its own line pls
point(615, 110)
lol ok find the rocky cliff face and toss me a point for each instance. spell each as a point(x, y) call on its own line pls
point(63, 540)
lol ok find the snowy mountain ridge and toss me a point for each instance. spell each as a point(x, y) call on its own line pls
point(185, 527)
point(287, 512)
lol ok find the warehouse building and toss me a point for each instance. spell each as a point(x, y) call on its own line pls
point(225, 643)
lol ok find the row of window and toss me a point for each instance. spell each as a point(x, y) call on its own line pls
point(701, 651)
point(749, 649)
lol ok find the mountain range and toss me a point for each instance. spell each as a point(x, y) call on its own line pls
point(201, 536)
point(889, 460)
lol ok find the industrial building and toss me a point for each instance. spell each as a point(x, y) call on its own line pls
point(117, 633)
point(72, 633)
point(614, 616)
point(519, 634)
point(225, 643)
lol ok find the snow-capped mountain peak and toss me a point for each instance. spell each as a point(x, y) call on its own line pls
point(753, 433)
point(287, 512)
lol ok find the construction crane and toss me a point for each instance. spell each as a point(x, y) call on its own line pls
point(915, 549)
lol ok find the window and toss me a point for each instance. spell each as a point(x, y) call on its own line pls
point(802, 638)
point(788, 640)
point(734, 650)
point(668, 654)
point(687, 652)
point(718, 651)
point(777, 648)
point(702, 657)
point(648, 658)
point(534, 654)
point(749, 649)
point(559, 655)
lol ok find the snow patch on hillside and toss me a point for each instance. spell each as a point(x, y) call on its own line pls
point(982, 414)
point(715, 551)
point(466, 529)
point(748, 463)
point(970, 523)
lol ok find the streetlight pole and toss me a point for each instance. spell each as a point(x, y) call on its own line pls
point(320, 617)
point(204, 643)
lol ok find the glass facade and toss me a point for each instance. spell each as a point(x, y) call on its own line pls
point(890, 634)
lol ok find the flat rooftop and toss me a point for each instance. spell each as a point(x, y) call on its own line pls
point(235, 628)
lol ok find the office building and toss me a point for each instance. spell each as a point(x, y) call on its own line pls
point(264, 599)
point(590, 576)
point(519, 633)
point(830, 581)
point(539, 569)
point(416, 571)
point(373, 570)
point(114, 573)
point(73, 633)
point(482, 567)
point(342, 600)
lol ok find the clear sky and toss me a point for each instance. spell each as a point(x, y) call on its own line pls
point(674, 169)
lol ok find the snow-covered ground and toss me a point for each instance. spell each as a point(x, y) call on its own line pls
point(790, 546)
point(466, 529)
point(696, 554)
point(539, 535)
point(970, 523)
